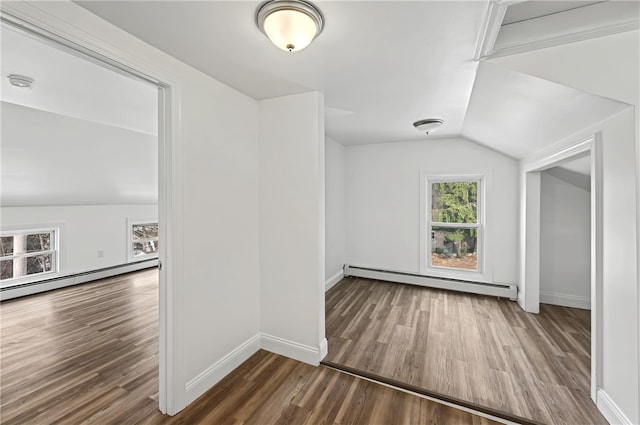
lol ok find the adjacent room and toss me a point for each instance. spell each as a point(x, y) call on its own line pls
point(79, 167)
point(79, 240)
point(435, 197)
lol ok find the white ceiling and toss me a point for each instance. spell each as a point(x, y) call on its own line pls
point(518, 114)
point(381, 64)
point(526, 10)
point(82, 135)
point(71, 85)
point(580, 165)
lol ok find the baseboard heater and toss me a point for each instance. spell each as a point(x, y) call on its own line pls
point(496, 290)
point(44, 285)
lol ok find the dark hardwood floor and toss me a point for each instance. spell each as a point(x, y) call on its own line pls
point(476, 348)
point(89, 354)
point(271, 389)
point(83, 352)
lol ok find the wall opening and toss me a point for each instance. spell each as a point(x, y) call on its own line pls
point(158, 129)
point(531, 291)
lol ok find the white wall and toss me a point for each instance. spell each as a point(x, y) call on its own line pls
point(565, 242)
point(219, 209)
point(213, 303)
point(620, 289)
point(292, 225)
point(383, 201)
point(336, 229)
point(84, 230)
point(51, 159)
point(85, 177)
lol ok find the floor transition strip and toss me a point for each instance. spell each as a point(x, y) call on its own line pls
point(432, 394)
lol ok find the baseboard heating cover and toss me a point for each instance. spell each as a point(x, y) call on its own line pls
point(75, 279)
point(492, 289)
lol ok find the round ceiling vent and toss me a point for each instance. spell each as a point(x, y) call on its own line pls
point(21, 81)
point(428, 125)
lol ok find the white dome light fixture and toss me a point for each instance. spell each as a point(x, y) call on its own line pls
point(21, 81)
point(290, 24)
point(428, 125)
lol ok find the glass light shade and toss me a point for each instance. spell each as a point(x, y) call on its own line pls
point(290, 30)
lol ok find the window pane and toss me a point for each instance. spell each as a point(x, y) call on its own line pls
point(38, 242)
point(6, 269)
point(454, 248)
point(39, 264)
point(145, 248)
point(454, 202)
point(6, 246)
point(144, 231)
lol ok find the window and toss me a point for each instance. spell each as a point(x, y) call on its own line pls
point(454, 224)
point(27, 252)
point(143, 241)
point(453, 228)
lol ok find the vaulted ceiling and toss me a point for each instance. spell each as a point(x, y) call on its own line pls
point(70, 85)
point(381, 65)
point(82, 135)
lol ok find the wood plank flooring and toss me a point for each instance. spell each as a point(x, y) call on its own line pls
point(271, 389)
point(476, 348)
point(89, 354)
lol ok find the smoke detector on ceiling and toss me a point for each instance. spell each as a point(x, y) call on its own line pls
point(428, 125)
point(21, 81)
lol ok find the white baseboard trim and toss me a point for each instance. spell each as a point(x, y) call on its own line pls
point(565, 300)
point(324, 349)
point(294, 350)
point(214, 373)
point(76, 279)
point(610, 410)
point(331, 282)
point(520, 300)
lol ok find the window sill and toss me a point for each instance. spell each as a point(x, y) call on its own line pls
point(142, 258)
point(29, 279)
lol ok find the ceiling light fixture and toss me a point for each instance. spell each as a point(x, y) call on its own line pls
point(428, 125)
point(290, 24)
point(21, 81)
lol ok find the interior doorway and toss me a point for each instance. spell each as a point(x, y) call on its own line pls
point(531, 244)
point(86, 51)
point(565, 234)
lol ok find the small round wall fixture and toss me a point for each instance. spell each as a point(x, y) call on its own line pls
point(428, 125)
point(21, 81)
point(290, 24)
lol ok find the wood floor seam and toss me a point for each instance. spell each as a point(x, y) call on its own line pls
point(437, 397)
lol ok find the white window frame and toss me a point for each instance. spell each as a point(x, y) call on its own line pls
point(483, 177)
point(134, 222)
point(54, 251)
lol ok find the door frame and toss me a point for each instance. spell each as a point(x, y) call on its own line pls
point(43, 22)
point(530, 233)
